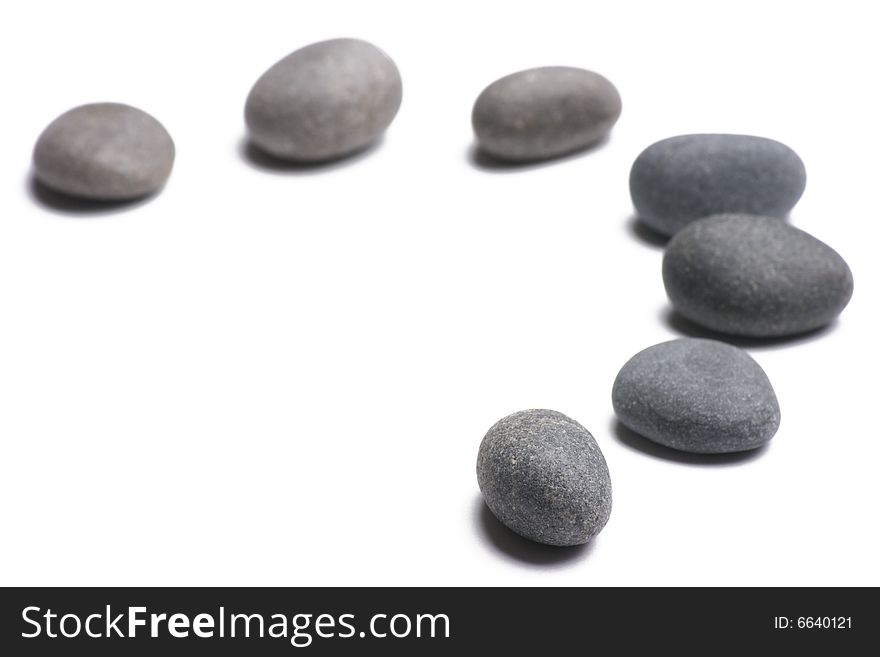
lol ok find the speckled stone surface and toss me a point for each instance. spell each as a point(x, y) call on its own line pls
point(544, 112)
point(543, 475)
point(698, 396)
point(754, 276)
point(685, 178)
point(324, 101)
point(104, 152)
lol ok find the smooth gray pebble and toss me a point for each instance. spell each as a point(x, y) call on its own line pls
point(698, 396)
point(754, 276)
point(104, 152)
point(681, 179)
point(543, 476)
point(544, 112)
point(324, 101)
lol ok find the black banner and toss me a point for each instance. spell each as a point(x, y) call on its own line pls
point(420, 621)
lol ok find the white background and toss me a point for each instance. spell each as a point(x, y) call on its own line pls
point(281, 377)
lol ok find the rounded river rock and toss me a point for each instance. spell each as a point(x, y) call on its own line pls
point(685, 178)
point(699, 396)
point(544, 112)
point(543, 475)
point(754, 276)
point(325, 101)
point(105, 152)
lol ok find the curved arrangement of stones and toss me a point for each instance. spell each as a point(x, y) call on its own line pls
point(104, 152)
point(733, 264)
point(543, 475)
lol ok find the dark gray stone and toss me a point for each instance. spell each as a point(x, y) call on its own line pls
point(325, 101)
point(104, 152)
point(754, 276)
point(698, 396)
point(685, 178)
point(544, 112)
point(543, 475)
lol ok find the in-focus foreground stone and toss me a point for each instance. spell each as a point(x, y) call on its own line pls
point(104, 152)
point(754, 276)
point(699, 396)
point(543, 475)
point(324, 101)
point(544, 112)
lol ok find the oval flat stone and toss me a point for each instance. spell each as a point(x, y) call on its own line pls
point(544, 112)
point(699, 396)
point(105, 152)
point(543, 476)
point(685, 178)
point(754, 276)
point(324, 101)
